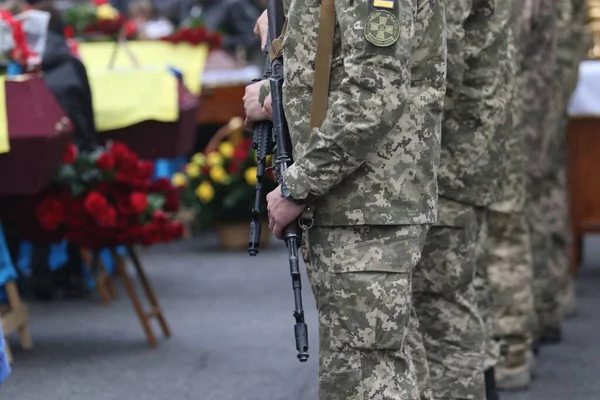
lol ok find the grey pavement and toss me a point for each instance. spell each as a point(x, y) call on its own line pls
point(233, 337)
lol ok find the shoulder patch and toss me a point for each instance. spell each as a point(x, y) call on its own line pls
point(382, 28)
point(384, 4)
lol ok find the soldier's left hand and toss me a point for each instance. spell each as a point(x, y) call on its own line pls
point(281, 211)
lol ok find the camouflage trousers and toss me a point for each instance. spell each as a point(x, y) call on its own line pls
point(362, 281)
point(506, 258)
point(445, 303)
point(546, 210)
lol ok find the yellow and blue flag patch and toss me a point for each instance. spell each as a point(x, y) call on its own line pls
point(384, 3)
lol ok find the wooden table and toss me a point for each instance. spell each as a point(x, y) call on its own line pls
point(219, 103)
point(583, 142)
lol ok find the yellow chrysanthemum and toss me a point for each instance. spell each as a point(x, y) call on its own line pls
point(226, 149)
point(214, 158)
point(192, 170)
point(199, 159)
point(179, 180)
point(250, 176)
point(218, 174)
point(106, 12)
point(205, 192)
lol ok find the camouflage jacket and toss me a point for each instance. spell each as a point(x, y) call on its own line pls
point(374, 159)
point(481, 67)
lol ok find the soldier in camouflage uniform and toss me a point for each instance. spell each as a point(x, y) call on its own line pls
point(368, 174)
point(507, 249)
point(538, 47)
point(473, 160)
point(571, 49)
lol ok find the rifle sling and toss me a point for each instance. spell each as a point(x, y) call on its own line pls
point(320, 93)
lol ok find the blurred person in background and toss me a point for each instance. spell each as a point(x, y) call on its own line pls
point(234, 19)
point(148, 23)
point(66, 77)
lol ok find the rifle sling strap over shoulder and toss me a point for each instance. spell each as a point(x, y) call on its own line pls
point(322, 61)
point(320, 93)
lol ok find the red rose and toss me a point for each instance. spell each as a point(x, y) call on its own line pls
point(107, 218)
point(145, 169)
point(150, 234)
point(106, 161)
point(99, 2)
point(95, 203)
point(171, 201)
point(119, 151)
point(50, 213)
point(70, 154)
point(161, 185)
point(139, 202)
point(160, 217)
point(69, 32)
point(128, 164)
point(186, 35)
point(130, 28)
point(233, 168)
point(176, 229)
point(240, 154)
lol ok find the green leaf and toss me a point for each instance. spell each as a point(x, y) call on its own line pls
point(156, 201)
point(66, 173)
point(77, 188)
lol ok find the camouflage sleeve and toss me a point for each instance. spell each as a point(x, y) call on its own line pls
point(369, 100)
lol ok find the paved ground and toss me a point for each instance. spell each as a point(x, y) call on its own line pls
point(232, 324)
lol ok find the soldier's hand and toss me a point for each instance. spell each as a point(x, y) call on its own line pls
point(253, 108)
point(267, 109)
point(282, 212)
point(261, 29)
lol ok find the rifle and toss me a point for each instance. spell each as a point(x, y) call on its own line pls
point(265, 136)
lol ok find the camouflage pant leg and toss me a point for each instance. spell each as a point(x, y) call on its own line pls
point(483, 296)
point(444, 300)
point(554, 202)
point(547, 278)
point(362, 279)
point(507, 257)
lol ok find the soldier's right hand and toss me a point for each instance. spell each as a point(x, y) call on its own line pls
point(261, 29)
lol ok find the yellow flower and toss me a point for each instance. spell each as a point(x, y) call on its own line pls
point(218, 174)
point(192, 170)
point(226, 149)
point(179, 180)
point(199, 159)
point(214, 158)
point(106, 12)
point(205, 192)
point(250, 176)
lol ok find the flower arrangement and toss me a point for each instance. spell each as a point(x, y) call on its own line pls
point(105, 199)
point(220, 186)
point(97, 17)
point(195, 34)
point(15, 44)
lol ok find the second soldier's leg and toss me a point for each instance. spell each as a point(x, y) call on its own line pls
point(444, 300)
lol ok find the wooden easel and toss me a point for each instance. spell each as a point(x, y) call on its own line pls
point(105, 285)
point(15, 318)
point(107, 290)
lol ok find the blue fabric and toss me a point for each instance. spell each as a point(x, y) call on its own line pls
point(13, 69)
point(7, 268)
point(58, 255)
point(4, 366)
point(109, 264)
point(165, 168)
